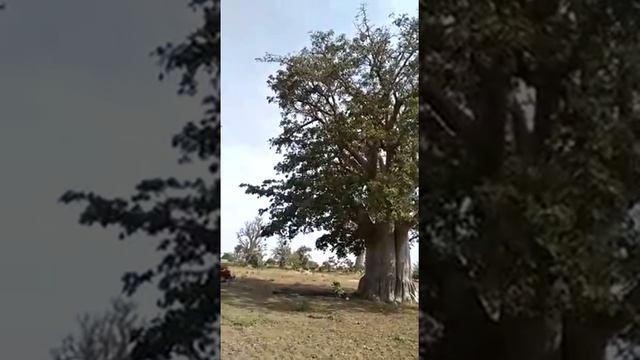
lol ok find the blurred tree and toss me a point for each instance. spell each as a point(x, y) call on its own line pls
point(184, 214)
point(300, 258)
point(105, 337)
point(251, 245)
point(529, 166)
point(282, 253)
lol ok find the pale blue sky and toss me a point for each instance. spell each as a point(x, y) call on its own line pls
point(250, 29)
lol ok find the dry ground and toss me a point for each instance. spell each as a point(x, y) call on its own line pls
point(257, 324)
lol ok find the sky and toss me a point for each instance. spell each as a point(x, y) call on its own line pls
point(250, 29)
point(81, 108)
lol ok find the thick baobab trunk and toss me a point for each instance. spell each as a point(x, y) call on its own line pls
point(359, 261)
point(387, 275)
point(469, 333)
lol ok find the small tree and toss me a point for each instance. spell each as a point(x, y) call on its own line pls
point(312, 265)
point(300, 258)
point(282, 253)
point(346, 264)
point(105, 337)
point(330, 264)
point(251, 244)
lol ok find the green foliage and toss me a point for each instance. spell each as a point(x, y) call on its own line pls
point(270, 262)
point(182, 214)
point(329, 264)
point(337, 289)
point(532, 192)
point(300, 258)
point(302, 305)
point(312, 265)
point(228, 256)
point(346, 264)
point(349, 134)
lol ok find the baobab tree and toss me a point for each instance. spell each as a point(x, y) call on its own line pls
point(529, 168)
point(350, 143)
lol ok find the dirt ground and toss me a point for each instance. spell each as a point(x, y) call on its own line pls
point(257, 324)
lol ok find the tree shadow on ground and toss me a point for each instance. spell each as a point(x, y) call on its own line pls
point(258, 294)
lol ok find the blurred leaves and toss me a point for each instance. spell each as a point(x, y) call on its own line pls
point(182, 214)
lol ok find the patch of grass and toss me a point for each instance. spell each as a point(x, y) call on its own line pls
point(302, 305)
point(399, 338)
point(246, 321)
point(258, 324)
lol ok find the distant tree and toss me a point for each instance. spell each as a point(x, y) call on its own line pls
point(102, 337)
point(329, 264)
point(312, 265)
point(346, 264)
point(238, 253)
point(300, 258)
point(251, 244)
point(282, 253)
point(270, 262)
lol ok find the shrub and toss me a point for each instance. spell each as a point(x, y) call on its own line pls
point(312, 265)
point(302, 305)
point(337, 289)
point(228, 256)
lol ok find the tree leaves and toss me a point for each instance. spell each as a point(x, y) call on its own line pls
point(550, 181)
point(349, 133)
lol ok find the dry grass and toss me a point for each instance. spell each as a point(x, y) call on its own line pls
point(257, 324)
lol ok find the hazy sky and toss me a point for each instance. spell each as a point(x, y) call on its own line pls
point(80, 108)
point(250, 29)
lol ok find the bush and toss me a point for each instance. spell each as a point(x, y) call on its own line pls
point(255, 260)
point(228, 256)
point(270, 262)
point(312, 265)
point(302, 305)
point(337, 289)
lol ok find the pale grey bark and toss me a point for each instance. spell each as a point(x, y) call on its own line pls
point(387, 274)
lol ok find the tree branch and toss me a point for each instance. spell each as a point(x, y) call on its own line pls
point(454, 118)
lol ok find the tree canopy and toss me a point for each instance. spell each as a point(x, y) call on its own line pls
point(349, 134)
point(530, 160)
point(184, 214)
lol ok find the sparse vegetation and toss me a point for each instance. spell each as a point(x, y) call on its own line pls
point(337, 289)
point(258, 324)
